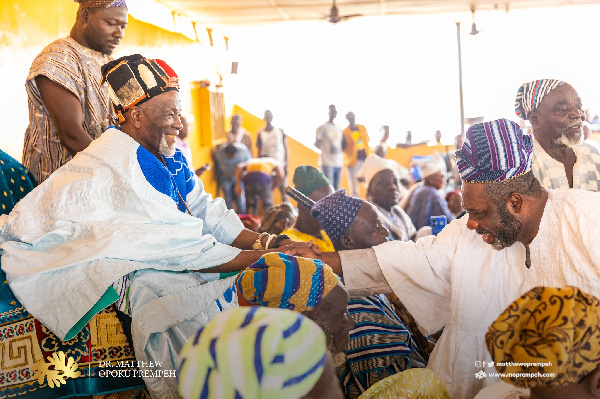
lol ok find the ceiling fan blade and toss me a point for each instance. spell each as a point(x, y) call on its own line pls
point(350, 16)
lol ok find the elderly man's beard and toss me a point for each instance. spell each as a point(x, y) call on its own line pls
point(508, 233)
point(565, 141)
point(164, 147)
point(339, 358)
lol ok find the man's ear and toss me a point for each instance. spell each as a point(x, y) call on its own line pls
point(593, 382)
point(134, 115)
point(515, 203)
point(84, 14)
point(346, 242)
point(532, 117)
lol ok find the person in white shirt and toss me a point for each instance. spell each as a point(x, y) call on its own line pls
point(517, 236)
point(330, 140)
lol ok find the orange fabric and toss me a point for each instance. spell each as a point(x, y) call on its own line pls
point(351, 145)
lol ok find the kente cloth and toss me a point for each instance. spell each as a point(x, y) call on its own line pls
point(356, 141)
point(458, 281)
point(253, 352)
point(27, 342)
point(308, 178)
point(556, 329)
point(503, 390)
point(15, 182)
point(409, 384)
point(77, 69)
point(323, 242)
point(494, 151)
point(289, 282)
point(380, 345)
point(425, 202)
point(166, 316)
point(113, 209)
point(336, 212)
point(551, 173)
point(134, 79)
point(531, 94)
point(329, 139)
point(398, 223)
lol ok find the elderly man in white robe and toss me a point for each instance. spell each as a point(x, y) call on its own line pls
point(517, 235)
point(127, 221)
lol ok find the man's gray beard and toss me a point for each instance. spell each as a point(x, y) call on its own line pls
point(164, 147)
point(339, 359)
point(564, 141)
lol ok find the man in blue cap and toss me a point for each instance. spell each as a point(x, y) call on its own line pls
point(518, 235)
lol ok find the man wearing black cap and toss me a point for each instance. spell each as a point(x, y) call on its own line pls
point(121, 222)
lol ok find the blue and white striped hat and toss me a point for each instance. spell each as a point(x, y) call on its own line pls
point(531, 94)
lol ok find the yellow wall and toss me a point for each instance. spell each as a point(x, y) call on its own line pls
point(27, 26)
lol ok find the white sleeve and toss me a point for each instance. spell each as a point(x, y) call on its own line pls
point(362, 275)
point(221, 223)
point(419, 273)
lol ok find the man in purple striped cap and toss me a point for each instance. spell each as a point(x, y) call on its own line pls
point(561, 159)
point(517, 235)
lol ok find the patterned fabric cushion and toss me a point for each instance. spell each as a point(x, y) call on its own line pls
point(26, 342)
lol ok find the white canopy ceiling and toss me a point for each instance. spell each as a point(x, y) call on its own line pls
point(235, 12)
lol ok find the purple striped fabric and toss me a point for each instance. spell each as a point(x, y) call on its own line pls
point(494, 151)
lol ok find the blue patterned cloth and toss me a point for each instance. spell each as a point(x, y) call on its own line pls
point(15, 182)
point(336, 212)
point(380, 345)
point(425, 202)
point(175, 178)
point(494, 151)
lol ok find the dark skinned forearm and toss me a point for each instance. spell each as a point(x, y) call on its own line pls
point(334, 261)
point(65, 111)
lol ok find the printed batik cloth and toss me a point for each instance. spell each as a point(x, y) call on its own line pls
point(547, 330)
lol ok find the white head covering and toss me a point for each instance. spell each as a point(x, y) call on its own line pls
point(431, 168)
point(375, 164)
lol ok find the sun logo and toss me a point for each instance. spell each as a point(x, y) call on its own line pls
point(63, 368)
